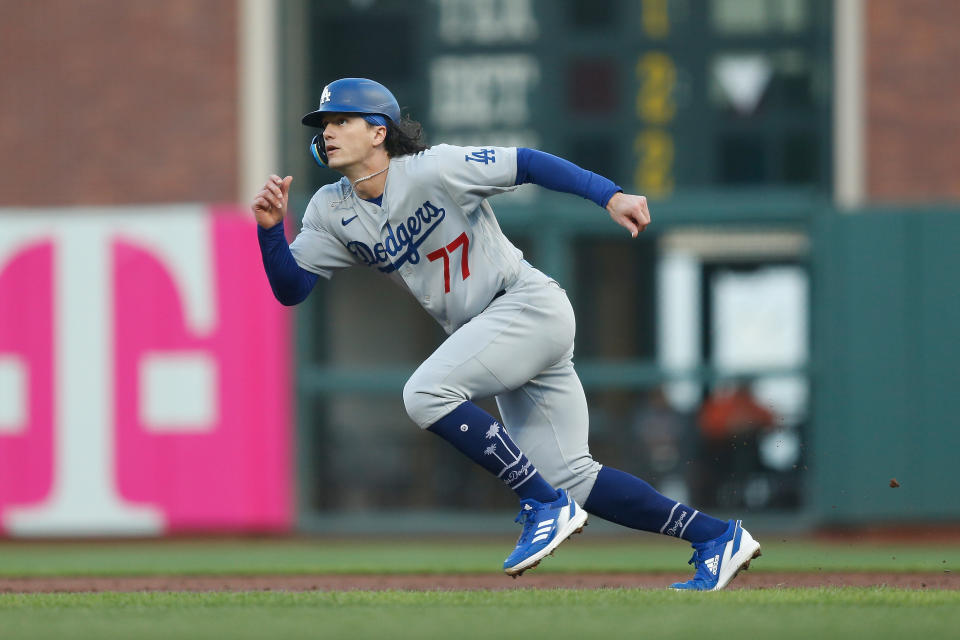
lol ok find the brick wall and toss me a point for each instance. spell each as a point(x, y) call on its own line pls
point(913, 100)
point(107, 102)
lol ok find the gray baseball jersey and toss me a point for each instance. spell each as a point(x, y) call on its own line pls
point(436, 235)
point(433, 234)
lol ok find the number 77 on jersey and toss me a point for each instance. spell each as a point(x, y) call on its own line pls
point(443, 253)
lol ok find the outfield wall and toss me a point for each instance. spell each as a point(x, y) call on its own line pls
point(146, 375)
point(887, 365)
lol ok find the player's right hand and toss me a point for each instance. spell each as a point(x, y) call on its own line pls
point(270, 204)
point(629, 211)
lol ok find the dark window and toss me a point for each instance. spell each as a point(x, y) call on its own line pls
point(597, 153)
point(741, 159)
point(800, 153)
point(369, 45)
point(592, 86)
point(615, 302)
point(593, 13)
point(796, 90)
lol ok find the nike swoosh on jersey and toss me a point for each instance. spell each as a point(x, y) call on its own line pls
point(346, 221)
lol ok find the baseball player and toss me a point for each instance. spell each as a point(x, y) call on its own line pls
point(420, 216)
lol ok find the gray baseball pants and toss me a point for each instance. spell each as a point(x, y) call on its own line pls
point(519, 349)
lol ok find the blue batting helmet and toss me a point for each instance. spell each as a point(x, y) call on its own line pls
point(350, 95)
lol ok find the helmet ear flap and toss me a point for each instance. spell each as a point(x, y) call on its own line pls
point(318, 150)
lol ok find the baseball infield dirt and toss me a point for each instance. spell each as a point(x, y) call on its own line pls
point(757, 580)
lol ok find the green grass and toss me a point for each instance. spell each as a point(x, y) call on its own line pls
point(614, 613)
point(273, 556)
point(557, 613)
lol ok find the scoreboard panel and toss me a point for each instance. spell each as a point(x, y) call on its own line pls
point(662, 96)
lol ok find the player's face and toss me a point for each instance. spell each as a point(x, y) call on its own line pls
point(349, 140)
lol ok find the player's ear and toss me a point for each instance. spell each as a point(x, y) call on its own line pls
point(380, 135)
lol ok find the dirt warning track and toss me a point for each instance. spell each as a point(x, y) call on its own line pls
point(422, 582)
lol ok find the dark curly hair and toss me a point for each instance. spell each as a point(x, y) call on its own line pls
point(404, 137)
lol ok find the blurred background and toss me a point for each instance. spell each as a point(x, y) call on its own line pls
point(780, 345)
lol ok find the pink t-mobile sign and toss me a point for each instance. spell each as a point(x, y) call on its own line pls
point(144, 375)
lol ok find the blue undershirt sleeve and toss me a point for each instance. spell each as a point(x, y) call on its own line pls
point(290, 282)
point(557, 174)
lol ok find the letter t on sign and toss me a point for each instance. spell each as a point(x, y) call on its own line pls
point(84, 499)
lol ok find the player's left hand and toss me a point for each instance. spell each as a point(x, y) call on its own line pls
point(629, 211)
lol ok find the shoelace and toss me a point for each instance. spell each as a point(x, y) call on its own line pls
point(695, 560)
point(526, 517)
point(700, 567)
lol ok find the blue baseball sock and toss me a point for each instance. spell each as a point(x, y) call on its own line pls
point(622, 498)
point(476, 434)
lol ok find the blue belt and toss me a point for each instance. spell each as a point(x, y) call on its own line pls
point(495, 296)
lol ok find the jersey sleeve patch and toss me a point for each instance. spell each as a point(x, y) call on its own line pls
point(472, 174)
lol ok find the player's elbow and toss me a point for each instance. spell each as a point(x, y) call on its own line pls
point(291, 287)
point(288, 300)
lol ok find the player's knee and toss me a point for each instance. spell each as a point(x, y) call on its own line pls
point(427, 397)
point(577, 477)
point(411, 399)
point(422, 401)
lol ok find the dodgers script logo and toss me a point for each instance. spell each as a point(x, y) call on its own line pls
point(675, 529)
point(401, 243)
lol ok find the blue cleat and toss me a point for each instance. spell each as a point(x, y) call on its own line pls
point(718, 561)
point(545, 526)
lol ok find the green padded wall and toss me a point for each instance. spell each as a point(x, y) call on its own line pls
point(887, 317)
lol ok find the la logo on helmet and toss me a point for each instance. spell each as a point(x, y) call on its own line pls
point(325, 96)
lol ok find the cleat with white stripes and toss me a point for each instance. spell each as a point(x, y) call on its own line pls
point(718, 561)
point(545, 526)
